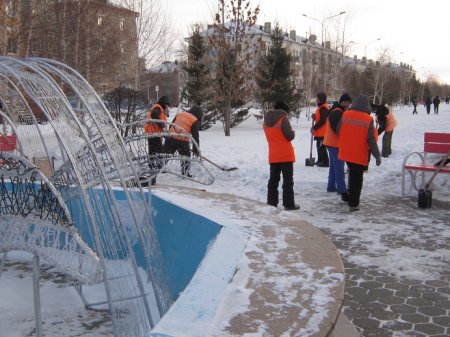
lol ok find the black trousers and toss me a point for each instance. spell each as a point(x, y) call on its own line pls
point(276, 169)
point(155, 152)
point(175, 145)
point(355, 182)
point(322, 154)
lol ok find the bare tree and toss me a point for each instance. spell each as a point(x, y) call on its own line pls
point(18, 20)
point(378, 74)
point(234, 50)
point(156, 38)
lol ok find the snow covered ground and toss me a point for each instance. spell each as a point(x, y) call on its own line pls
point(383, 213)
point(246, 148)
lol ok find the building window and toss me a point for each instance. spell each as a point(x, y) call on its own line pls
point(121, 24)
point(124, 67)
point(100, 20)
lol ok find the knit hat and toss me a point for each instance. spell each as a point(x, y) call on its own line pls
point(322, 97)
point(345, 97)
point(196, 111)
point(362, 104)
point(164, 100)
point(281, 105)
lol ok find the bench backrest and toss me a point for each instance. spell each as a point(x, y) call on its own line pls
point(8, 143)
point(435, 142)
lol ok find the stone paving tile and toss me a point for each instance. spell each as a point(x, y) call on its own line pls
point(380, 304)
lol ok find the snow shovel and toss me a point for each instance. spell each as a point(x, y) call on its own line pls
point(310, 161)
point(220, 167)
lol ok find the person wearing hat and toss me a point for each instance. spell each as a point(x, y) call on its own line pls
point(319, 128)
point(279, 135)
point(155, 143)
point(336, 174)
point(357, 139)
point(184, 123)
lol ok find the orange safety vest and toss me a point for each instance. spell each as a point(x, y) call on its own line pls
point(391, 122)
point(184, 120)
point(320, 132)
point(353, 145)
point(331, 138)
point(153, 127)
point(280, 149)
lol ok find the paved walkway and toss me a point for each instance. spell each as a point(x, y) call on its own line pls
point(380, 303)
point(291, 269)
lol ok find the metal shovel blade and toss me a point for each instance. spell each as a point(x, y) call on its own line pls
point(310, 161)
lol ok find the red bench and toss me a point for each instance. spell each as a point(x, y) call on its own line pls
point(8, 143)
point(434, 143)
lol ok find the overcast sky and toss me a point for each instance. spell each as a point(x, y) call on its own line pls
point(416, 34)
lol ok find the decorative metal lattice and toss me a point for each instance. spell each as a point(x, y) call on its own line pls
point(34, 218)
point(152, 164)
point(59, 119)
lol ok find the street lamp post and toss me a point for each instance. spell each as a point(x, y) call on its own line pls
point(157, 90)
point(365, 47)
point(322, 23)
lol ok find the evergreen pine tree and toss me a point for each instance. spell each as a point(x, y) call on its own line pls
point(274, 75)
point(197, 89)
point(196, 70)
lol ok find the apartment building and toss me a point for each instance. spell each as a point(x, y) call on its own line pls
point(95, 37)
point(314, 67)
point(166, 79)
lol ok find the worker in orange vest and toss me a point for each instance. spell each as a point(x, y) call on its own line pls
point(319, 128)
point(186, 122)
point(279, 135)
point(386, 124)
point(336, 174)
point(357, 139)
point(155, 142)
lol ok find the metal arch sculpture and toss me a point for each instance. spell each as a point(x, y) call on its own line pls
point(34, 218)
point(151, 165)
point(88, 152)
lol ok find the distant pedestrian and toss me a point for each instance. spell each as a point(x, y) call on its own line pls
point(436, 102)
point(279, 135)
point(336, 174)
point(414, 103)
point(447, 99)
point(318, 129)
point(357, 138)
point(427, 104)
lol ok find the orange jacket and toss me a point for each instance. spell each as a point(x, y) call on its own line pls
point(331, 138)
point(320, 131)
point(152, 127)
point(280, 149)
point(391, 122)
point(184, 120)
point(353, 133)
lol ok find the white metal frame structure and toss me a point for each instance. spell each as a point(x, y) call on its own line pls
point(90, 154)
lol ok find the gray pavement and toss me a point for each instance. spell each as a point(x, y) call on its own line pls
point(379, 303)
